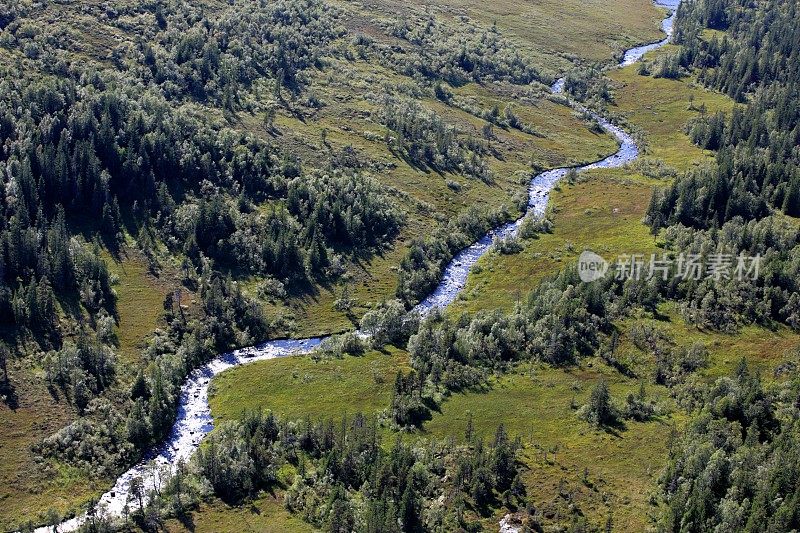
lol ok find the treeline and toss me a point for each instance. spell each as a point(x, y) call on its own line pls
point(39, 263)
point(733, 64)
point(757, 169)
point(736, 294)
point(342, 477)
point(736, 466)
point(732, 205)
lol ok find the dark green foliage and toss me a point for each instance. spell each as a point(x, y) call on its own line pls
point(389, 323)
point(458, 54)
point(588, 84)
point(83, 369)
point(730, 207)
point(345, 476)
point(757, 169)
point(240, 459)
point(736, 467)
point(408, 408)
point(726, 303)
point(110, 148)
point(425, 139)
point(599, 410)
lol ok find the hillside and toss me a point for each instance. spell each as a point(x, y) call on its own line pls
point(187, 179)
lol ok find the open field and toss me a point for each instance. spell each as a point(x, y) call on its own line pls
point(299, 387)
point(263, 515)
point(139, 304)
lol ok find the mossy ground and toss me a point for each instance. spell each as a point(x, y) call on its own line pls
point(140, 303)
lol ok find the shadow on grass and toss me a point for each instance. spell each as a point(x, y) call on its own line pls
point(187, 521)
point(8, 394)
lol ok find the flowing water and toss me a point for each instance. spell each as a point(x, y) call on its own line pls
point(194, 415)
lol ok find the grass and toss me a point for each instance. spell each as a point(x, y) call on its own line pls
point(29, 488)
point(264, 514)
point(763, 348)
point(660, 109)
point(299, 387)
point(602, 214)
point(535, 404)
point(140, 298)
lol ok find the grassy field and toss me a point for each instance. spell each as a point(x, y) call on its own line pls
point(140, 302)
point(764, 349)
point(263, 515)
point(536, 404)
point(297, 387)
point(659, 108)
point(568, 465)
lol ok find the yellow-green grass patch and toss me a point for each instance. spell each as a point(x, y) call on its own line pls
point(299, 387)
point(660, 108)
point(140, 301)
point(537, 404)
point(265, 514)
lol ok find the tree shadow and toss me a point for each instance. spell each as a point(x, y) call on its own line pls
point(187, 521)
point(8, 394)
point(614, 427)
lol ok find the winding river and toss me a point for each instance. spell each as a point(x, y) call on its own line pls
point(194, 420)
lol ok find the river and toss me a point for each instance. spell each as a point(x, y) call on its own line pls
point(194, 420)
